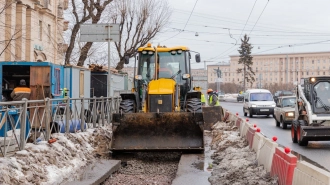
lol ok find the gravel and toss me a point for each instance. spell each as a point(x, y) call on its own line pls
point(146, 168)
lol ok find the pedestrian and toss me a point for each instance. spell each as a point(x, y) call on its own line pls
point(213, 98)
point(21, 91)
point(202, 99)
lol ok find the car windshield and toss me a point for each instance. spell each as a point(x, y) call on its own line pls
point(288, 102)
point(261, 97)
point(286, 93)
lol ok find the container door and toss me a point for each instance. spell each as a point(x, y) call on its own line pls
point(40, 84)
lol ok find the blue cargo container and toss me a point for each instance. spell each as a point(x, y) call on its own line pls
point(44, 78)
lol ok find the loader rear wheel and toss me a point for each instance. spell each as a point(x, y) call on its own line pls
point(127, 106)
point(293, 134)
point(194, 105)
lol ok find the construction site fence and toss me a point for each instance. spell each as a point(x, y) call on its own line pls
point(35, 120)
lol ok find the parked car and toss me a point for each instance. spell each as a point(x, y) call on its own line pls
point(282, 93)
point(240, 97)
point(284, 111)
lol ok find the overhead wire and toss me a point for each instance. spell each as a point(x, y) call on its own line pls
point(248, 18)
point(184, 25)
point(259, 17)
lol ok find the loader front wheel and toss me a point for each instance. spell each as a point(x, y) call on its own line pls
point(194, 105)
point(293, 134)
point(127, 106)
point(301, 142)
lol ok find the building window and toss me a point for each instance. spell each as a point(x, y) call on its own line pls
point(57, 75)
point(40, 30)
point(323, 73)
point(312, 61)
point(49, 32)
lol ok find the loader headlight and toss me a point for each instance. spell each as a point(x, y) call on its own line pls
point(313, 79)
point(253, 105)
point(186, 76)
point(173, 52)
point(138, 77)
point(150, 52)
point(144, 52)
point(289, 114)
point(179, 51)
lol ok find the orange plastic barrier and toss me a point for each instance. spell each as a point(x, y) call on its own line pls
point(283, 166)
point(238, 122)
point(225, 118)
point(250, 135)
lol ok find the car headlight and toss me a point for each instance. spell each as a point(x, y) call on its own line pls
point(273, 105)
point(253, 105)
point(289, 114)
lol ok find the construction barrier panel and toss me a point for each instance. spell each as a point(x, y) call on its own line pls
point(267, 150)
point(244, 128)
point(250, 135)
point(283, 166)
point(238, 122)
point(226, 117)
point(306, 174)
point(258, 140)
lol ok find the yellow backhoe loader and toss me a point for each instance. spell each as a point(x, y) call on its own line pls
point(162, 112)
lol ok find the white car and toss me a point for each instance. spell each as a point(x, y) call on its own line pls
point(258, 102)
point(221, 96)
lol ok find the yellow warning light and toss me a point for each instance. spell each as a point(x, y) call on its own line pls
point(149, 44)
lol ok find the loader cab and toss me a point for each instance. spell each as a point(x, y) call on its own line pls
point(172, 63)
point(318, 89)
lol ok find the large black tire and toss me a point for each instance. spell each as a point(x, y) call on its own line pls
point(277, 122)
point(127, 106)
point(245, 114)
point(194, 105)
point(293, 134)
point(283, 125)
point(250, 114)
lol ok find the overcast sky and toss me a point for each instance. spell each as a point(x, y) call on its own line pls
point(303, 24)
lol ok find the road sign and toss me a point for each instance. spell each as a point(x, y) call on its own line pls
point(99, 33)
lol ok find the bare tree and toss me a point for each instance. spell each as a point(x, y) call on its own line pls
point(139, 22)
point(89, 9)
point(9, 35)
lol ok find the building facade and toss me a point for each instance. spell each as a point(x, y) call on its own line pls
point(275, 68)
point(32, 30)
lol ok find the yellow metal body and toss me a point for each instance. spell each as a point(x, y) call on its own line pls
point(161, 86)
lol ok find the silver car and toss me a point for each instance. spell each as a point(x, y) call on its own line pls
point(284, 111)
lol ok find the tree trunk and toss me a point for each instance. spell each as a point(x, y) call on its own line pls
point(71, 45)
point(83, 53)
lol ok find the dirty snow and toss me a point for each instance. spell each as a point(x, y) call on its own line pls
point(45, 163)
point(233, 162)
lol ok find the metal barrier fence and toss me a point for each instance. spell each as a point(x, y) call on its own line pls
point(35, 120)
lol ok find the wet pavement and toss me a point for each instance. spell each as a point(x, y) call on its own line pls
point(96, 173)
point(194, 169)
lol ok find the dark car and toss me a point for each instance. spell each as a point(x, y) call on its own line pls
point(240, 97)
point(282, 93)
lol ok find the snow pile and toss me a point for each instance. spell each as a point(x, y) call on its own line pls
point(45, 163)
point(233, 162)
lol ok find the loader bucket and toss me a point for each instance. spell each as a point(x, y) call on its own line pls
point(211, 115)
point(179, 131)
point(316, 133)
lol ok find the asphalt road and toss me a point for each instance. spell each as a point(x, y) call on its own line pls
point(317, 152)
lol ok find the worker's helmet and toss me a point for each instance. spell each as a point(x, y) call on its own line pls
point(209, 91)
point(22, 82)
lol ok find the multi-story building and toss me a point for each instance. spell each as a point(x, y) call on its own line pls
point(275, 68)
point(32, 30)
